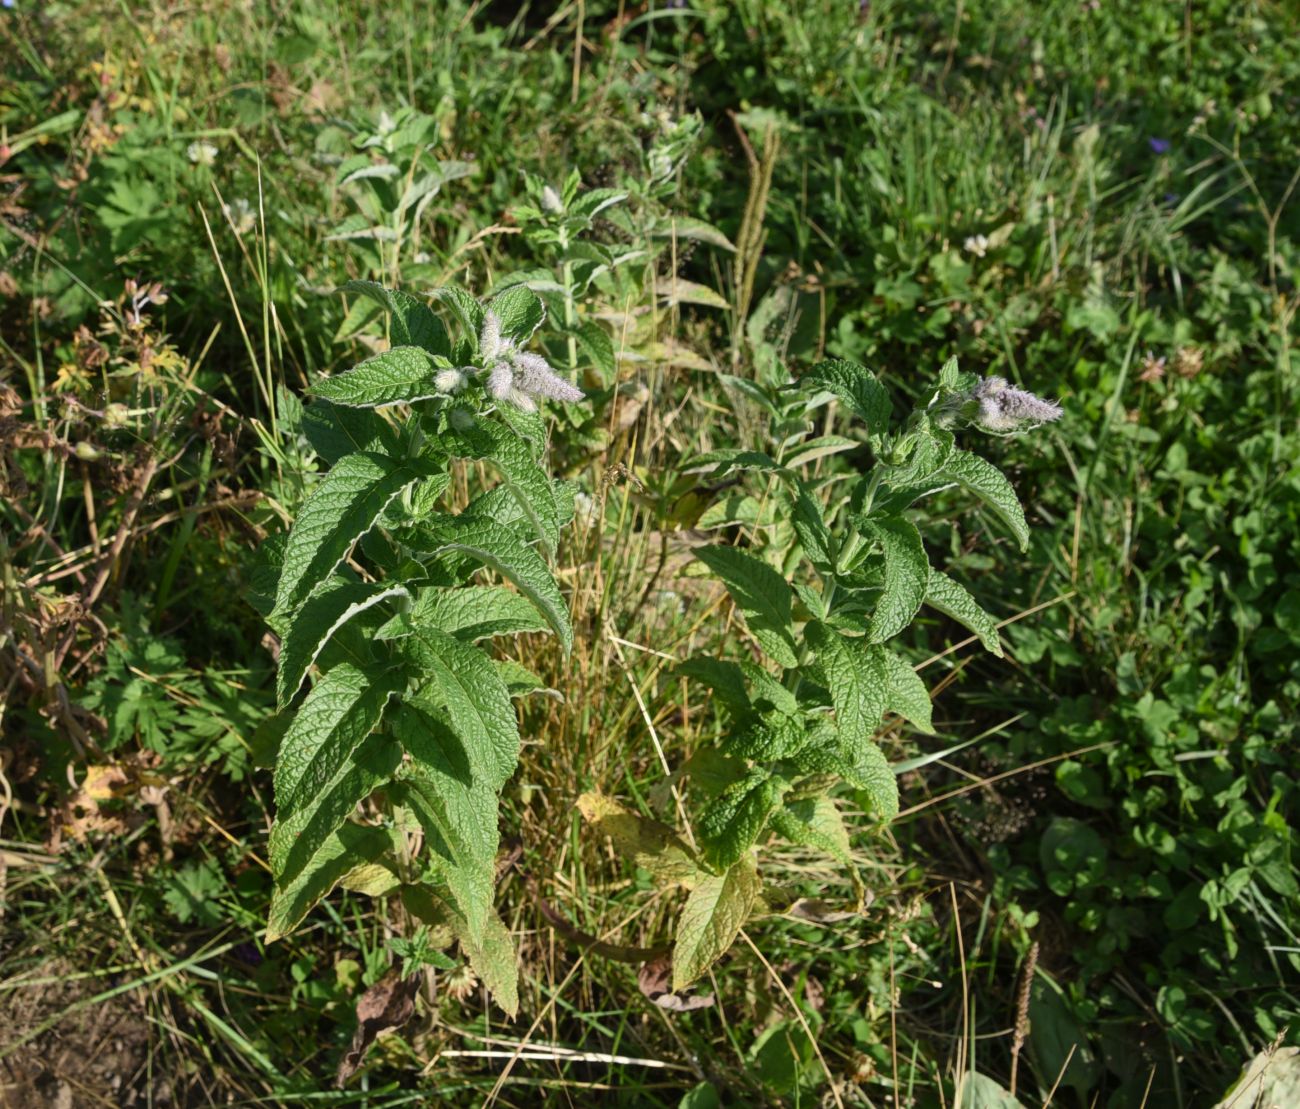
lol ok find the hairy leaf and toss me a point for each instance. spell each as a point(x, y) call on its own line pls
point(449, 783)
point(856, 677)
point(907, 572)
point(502, 550)
point(519, 311)
point(857, 387)
point(733, 821)
point(810, 526)
point(953, 600)
point(332, 605)
point(815, 822)
point(335, 431)
point(987, 482)
point(761, 594)
point(775, 736)
point(712, 917)
point(400, 375)
point(907, 695)
point(343, 507)
point(478, 612)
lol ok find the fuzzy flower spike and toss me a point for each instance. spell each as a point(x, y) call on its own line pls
point(516, 376)
point(995, 405)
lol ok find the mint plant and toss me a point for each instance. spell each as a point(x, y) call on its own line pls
point(844, 573)
point(407, 731)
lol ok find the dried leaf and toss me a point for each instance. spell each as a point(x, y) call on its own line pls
point(655, 979)
point(387, 1005)
point(643, 842)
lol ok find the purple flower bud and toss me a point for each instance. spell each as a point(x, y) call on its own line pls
point(1159, 146)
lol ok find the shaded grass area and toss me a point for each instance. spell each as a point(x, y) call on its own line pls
point(1095, 202)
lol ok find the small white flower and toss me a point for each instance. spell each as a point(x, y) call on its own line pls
point(449, 381)
point(516, 376)
point(551, 201)
point(1003, 407)
point(977, 245)
point(490, 343)
point(202, 153)
point(240, 215)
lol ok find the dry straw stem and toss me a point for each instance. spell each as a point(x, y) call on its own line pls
point(1022, 1011)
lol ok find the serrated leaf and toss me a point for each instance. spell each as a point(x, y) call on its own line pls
point(725, 679)
point(329, 607)
point(521, 682)
point(712, 917)
point(907, 572)
point(863, 765)
point(907, 696)
point(643, 842)
point(856, 677)
point(953, 600)
point(987, 482)
point(466, 309)
point(492, 957)
point(520, 312)
point(463, 682)
point(762, 595)
point(346, 848)
point(501, 549)
point(774, 736)
point(531, 488)
point(342, 508)
point(400, 375)
point(732, 822)
point(810, 526)
point(478, 612)
point(857, 387)
point(815, 822)
point(336, 431)
point(595, 201)
point(597, 345)
point(413, 322)
point(448, 783)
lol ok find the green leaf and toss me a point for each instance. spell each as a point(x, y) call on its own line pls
point(520, 312)
point(521, 682)
point(335, 431)
point(343, 507)
point(907, 695)
point(774, 736)
point(331, 606)
point(448, 783)
point(466, 309)
point(726, 679)
point(401, 375)
point(532, 490)
point(907, 572)
point(712, 917)
point(413, 322)
point(987, 482)
point(863, 765)
point(465, 683)
point(492, 957)
point(761, 594)
point(502, 550)
point(810, 526)
point(597, 345)
point(953, 600)
point(732, 822)
point(722, 462)
point(856, 676)
point(478, 612)
point(303, 830)
point(343, 850)
point(857, 387)
point(641, 841)
point(815, 822)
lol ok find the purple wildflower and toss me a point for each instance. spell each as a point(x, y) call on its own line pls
point(1158, 146)
point(1003, 407)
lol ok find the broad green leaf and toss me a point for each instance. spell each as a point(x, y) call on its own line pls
point(464, 683)
point(302, 830)
point(761, 594)
point(343, 850)
point(502, 550)
point(597, 345)
point(521, 682)
point(343, 507)
point(726, 679)
point(732, 822)
point(953, 600)
point(712, 917)
point(863, 765)
point(810, 526)
point(723, 462)
point(331, 606)
point(401, 375)
point(520, 312)
point(987, 482)
point(815, 822)
point(907, 695)
point(340, 711)
point(449, 783)
point(413, 322)
point(492, 957)
point(821, 447)
point(466, 309)
point(532, 490)
point(774, 736)
point(478, 612)
point(979, 1091)
point(857, 387)
point(856, 677)
point(766, 692)
point(907, 572)
point(641, 841)
point(335, 431)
